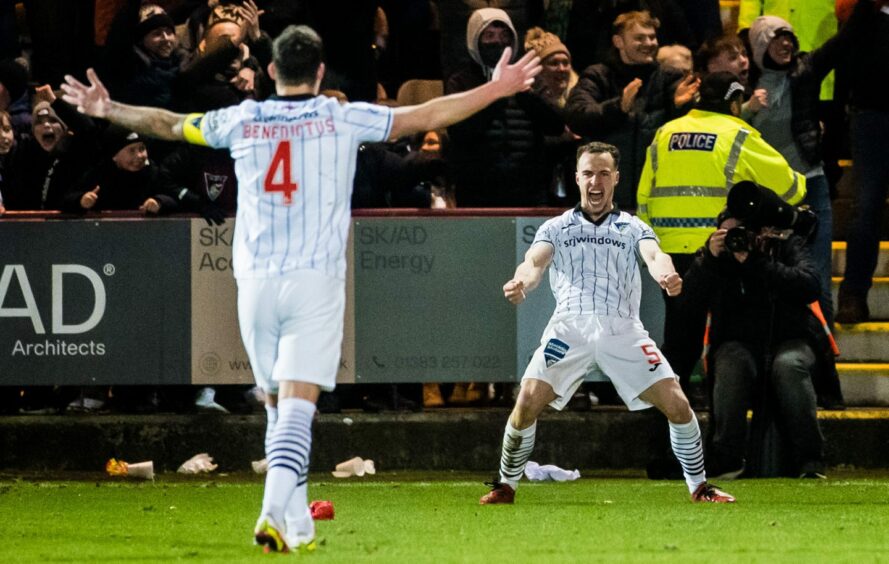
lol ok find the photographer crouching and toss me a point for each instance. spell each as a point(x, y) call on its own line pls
point(756, 279)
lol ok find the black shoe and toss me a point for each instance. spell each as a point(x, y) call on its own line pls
point(851, 309)
point(329, 403)
point(580, 401)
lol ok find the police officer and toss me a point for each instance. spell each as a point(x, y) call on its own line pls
point(690, 167)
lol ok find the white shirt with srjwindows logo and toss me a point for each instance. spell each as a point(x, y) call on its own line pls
point(295, 160)
point(595, 268)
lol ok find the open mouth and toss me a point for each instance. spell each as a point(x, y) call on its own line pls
point(596, 197)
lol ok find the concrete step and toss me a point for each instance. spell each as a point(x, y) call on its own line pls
point(863, 342)
point(450, 439)
point(865, 383)
point(839, 259)
point(877, 298)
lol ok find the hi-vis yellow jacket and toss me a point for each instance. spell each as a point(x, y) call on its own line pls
point(690, 167)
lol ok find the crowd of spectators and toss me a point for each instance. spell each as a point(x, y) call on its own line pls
point(614, 71)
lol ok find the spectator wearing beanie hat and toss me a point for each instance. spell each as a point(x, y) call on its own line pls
point(125, 178)
point(142, 58)
point(553, 84)
point(61, 147)
point(557, 77)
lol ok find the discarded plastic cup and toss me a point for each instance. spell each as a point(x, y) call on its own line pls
point(356, 466)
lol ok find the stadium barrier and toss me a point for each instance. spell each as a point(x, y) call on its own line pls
point(118, 299)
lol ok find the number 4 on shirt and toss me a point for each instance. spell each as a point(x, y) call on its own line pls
point(281, 162)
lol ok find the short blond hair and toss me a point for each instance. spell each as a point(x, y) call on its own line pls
point(627, 20)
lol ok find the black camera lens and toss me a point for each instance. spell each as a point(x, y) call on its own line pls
point(738, 239)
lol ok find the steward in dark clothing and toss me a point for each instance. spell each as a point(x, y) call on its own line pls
point(497, 156)
point(767, 349)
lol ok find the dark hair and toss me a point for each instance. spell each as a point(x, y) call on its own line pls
point(714, 47)
point(718, 91)
point(297, 53)
point(600, 147)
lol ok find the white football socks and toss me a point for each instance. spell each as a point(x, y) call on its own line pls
point(517, 447)
point(686, 442)
point(288, 453)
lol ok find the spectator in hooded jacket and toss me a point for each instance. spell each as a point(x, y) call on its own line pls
point(497, 157)
point(790, 119)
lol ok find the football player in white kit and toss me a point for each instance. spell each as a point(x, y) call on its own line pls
point(591, 255)
point(295, 158)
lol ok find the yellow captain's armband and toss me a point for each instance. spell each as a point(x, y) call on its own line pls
point(191, 130)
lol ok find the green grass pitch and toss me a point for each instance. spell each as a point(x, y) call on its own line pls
point(408, 517)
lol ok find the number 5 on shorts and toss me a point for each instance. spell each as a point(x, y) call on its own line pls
point(654, 358)
point(286, 185)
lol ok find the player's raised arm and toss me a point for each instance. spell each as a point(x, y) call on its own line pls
point(446, 110)
point(529, 273)
point(660, 266)
point(94, 100)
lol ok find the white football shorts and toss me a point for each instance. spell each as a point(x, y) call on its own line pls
point(574, 345)
point(292, 327)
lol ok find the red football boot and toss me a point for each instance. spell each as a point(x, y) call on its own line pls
point(500, 493)
point(708, 493)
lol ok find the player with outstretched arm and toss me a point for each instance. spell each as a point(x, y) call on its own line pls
point(295, 158)
point(590, 252)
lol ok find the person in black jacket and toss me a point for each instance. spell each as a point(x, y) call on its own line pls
point(765, 344)
point(497, 156)
point(62, 147)
point(625, 99)
point(142, 56)
point(867, 65)
point(124, 179)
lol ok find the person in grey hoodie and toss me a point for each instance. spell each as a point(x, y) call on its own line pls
point(789, 119)
point(497, 156)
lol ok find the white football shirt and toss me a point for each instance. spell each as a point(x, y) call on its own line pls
point(295, 160)
point(595, 268)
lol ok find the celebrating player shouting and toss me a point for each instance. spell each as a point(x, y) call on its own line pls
point(591, 253)
point(295, 158)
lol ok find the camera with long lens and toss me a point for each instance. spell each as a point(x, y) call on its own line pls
point(758, 208)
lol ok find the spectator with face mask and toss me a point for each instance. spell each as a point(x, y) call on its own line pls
point(497, 157)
